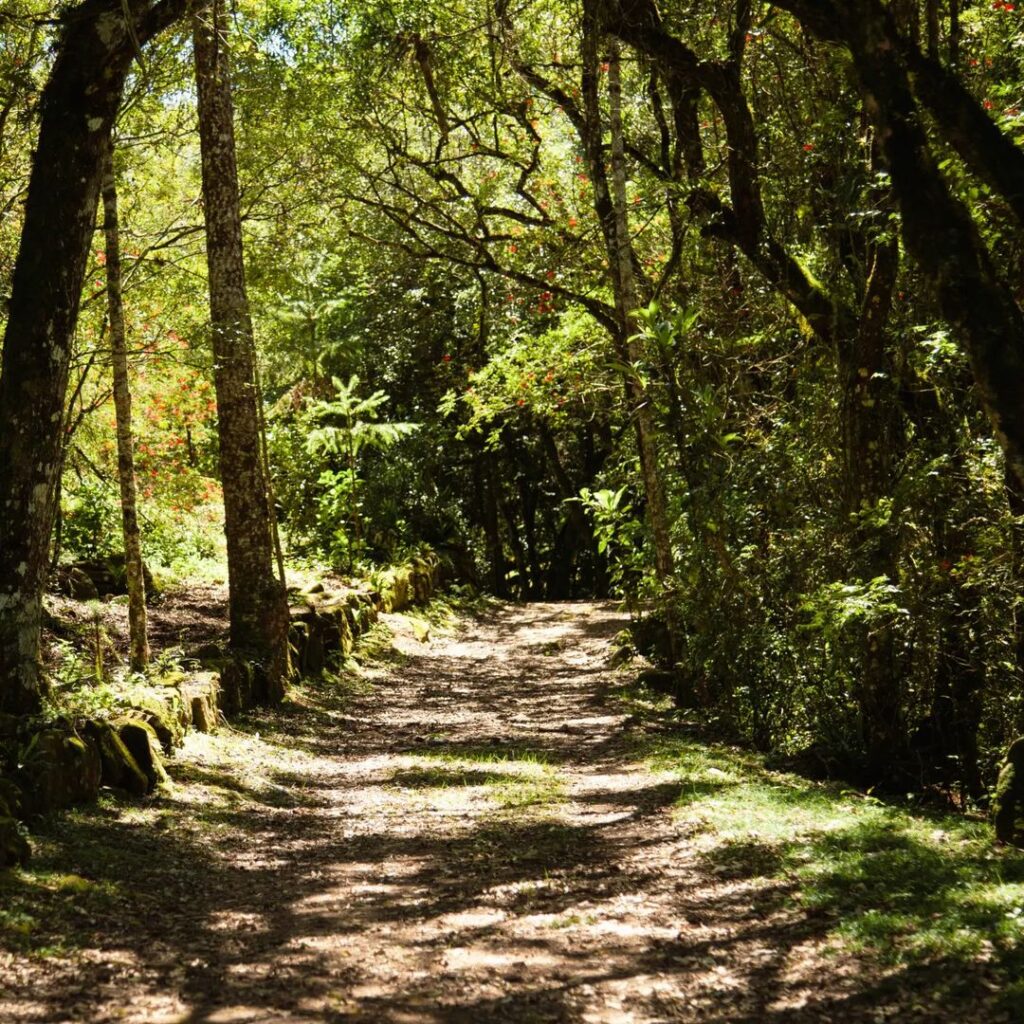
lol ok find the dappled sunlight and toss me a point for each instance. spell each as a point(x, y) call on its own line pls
point(501, 857)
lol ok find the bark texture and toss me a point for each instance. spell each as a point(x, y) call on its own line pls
point(259, 607)
point(938, 229)
point(77, 108)
point(139, 645)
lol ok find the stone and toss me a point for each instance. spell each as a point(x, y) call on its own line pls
point(11, 798)
point(14, 848)
point(120, 769)
point(77, 584)
point(166, 726)
point(236, 685)
point(206, 653)
point(108, 575)
point(202, 717)
point(314, 657)
point(60, 769)
point(200, 697)
point(141, 740)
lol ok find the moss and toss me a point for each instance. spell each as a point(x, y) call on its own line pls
point(236, 684)
point(200, 697)
point(140, 739)
point(60, 769)
point(119, 769)
point(1008, 799)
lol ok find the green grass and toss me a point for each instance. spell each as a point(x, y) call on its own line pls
point(514, 780)
point(905, 884)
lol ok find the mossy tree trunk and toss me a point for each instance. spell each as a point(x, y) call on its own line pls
point(138, 643)
point(94, 51)
point(258, 600)
point(938, 229)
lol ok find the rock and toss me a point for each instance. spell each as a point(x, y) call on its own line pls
point(108, 576)
point(203, 719)
point(78, 584)
point(670, 683)
point(200, 697)
point(14, 848)
point(364, 611)
point(11, 798)
point(301, 612)
point(166, 726)
point(141, 740)
point(120, 769)
point(206, 654)
point(314, 657)
point(60, 770)
point(298, 640)
point(237, 678)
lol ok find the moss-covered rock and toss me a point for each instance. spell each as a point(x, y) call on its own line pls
point(363, 609)
point(200, 694)
point(166, 725)
point(140, 738)
point(315, 657)
point(236, 685)
point(59, 769)
point(298, 641)
point(206, 654)
point(14, 848)
point(11, 798)
point(1008, 799)
point(119, 769)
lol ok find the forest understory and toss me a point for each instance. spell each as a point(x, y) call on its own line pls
point(489, 823)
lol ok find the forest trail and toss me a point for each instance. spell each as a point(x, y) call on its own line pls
point(473, 838)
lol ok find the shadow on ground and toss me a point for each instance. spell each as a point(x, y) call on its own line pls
point(338, 877)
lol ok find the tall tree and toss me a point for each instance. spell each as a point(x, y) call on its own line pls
point(139, 645)
point(96, 46)
point(259, 605)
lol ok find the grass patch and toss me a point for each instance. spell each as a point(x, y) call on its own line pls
point(376, 645)
point(512, 780)
point(905, 884)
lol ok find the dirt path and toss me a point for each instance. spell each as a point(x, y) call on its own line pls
point(470, 840)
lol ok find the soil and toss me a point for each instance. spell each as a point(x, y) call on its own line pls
point(468, 837)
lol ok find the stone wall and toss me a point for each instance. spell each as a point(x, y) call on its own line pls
point(67, 762)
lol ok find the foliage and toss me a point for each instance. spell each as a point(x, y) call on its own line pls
point(445, 358)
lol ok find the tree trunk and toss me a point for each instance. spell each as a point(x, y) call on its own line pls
point(610, 204)
point(868, 413)
point(938, 228)
point(258, 600)
point(138, 644)
point(77, 109)
point(627, 301)
point(492, 528)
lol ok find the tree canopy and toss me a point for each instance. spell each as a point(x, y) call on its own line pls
point(712, 307)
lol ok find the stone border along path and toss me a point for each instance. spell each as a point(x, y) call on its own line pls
point(471, 839)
